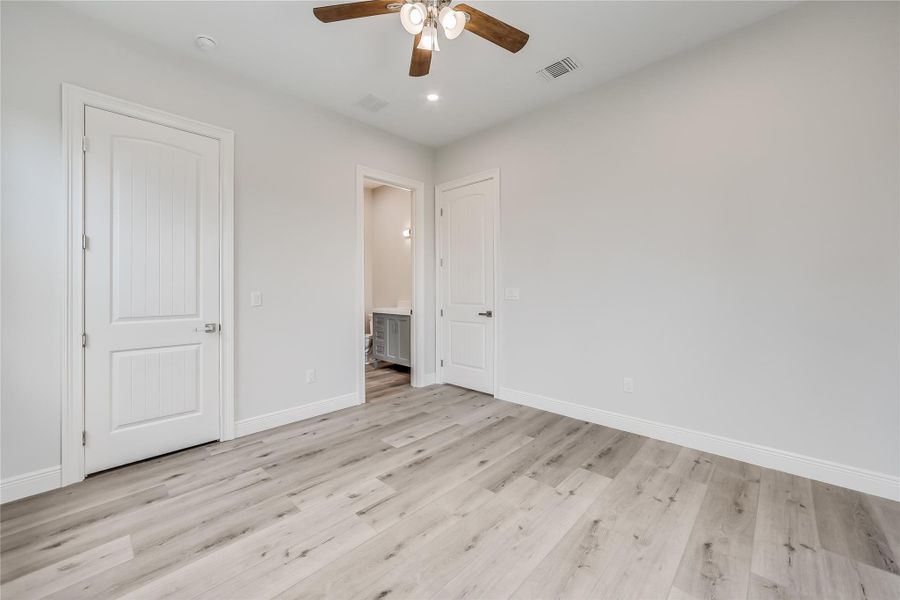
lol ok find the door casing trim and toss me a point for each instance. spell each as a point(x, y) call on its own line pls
point(74, 101)
point(488, 175)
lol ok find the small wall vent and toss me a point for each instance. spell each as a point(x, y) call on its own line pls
point(559, 68)
point(372, 103)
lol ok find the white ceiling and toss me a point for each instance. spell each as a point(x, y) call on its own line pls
point(281, 45)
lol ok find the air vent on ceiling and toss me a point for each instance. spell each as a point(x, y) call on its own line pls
point(559, 68)
point(372, 103)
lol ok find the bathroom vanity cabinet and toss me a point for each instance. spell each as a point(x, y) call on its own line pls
point(390, 337)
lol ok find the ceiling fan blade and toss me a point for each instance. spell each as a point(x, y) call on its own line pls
point(355, 10)
point(420, 63)
point(493, 30)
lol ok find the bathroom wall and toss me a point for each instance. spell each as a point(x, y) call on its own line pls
point(367, 253)
point(388, 254)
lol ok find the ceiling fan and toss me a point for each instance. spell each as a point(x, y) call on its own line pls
point(422, 18)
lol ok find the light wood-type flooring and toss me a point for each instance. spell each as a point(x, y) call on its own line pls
point(385, 381)
point(445, 493)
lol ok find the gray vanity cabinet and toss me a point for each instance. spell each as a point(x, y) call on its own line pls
point(391, 338)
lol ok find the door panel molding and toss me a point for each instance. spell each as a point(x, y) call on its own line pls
point(492, 175)
point(74, 101)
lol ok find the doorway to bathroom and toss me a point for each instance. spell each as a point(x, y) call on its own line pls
point(388, 285)
point(391, 257)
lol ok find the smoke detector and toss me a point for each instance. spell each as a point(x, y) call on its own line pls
point(205, 42)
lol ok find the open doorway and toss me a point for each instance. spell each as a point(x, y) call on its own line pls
point(390, 212)
point(387, 259)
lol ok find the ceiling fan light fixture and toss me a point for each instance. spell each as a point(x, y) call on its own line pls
point(429, 40)
point(412, 16)
point(423, 19)
point(452, 21)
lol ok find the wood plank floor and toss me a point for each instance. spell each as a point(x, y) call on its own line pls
point(385, 381)
point(445, 493)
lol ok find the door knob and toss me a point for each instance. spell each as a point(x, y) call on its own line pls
point(488, 313)
point(208, 328)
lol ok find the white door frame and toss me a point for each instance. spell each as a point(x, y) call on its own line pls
point(74, 101)
point(490, 174)
point(417, 321)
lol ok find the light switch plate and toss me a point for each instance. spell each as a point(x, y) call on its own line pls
point(311, 376)
point(255, 298)
point(512, 293)
point(628, 385)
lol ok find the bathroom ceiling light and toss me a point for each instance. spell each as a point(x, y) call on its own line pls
point(205, 42)
point(432, 97)
point(407, 232)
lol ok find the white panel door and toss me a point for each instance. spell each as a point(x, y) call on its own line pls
point(467, 285)
point(151, 286)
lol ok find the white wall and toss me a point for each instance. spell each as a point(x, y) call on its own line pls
point(295, 206)
point(722, 227)
point(388, 253)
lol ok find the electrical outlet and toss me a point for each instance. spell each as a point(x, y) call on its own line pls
point(311, 376)
point(628, 385)
point(255, 298)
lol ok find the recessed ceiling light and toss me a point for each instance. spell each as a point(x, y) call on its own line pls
point(205, 42)
point(432, 97)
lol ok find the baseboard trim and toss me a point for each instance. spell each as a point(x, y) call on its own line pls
point(292, 415)
point(426, 379)
point(862, 480)
point(29, 484)
point(44, 480)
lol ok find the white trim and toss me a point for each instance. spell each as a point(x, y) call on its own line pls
point(297, 413)
point(29, 484)
point(862, 480)
point(426, 379)
point(490, 174)
point(74, 100)
point(417, 342)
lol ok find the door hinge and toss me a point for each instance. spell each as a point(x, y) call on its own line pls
point(84, 242)
point(442, 262)
point(442, 362)
point(442, 212)
point(84, 143)
point(84, 340)
point(442, 312)
point(84, 438)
